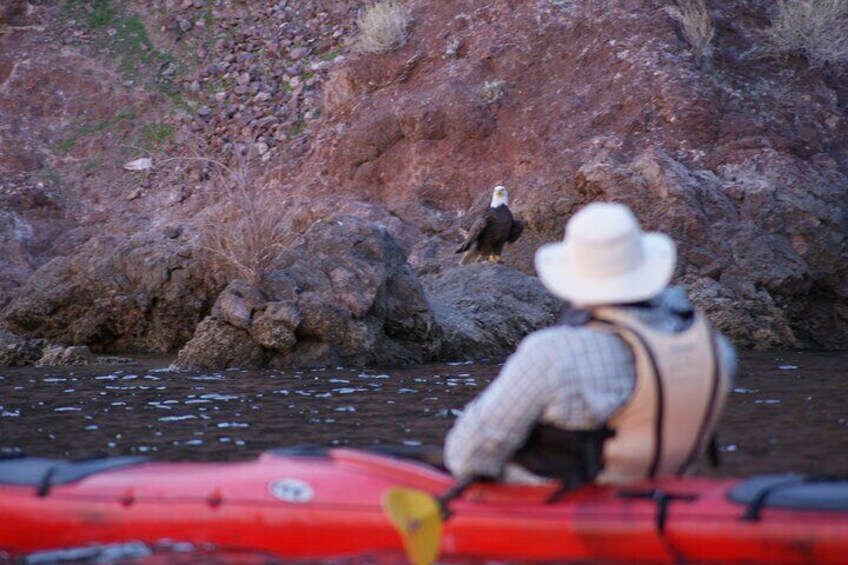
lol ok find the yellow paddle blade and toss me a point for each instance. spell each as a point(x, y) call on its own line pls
point(417, 516)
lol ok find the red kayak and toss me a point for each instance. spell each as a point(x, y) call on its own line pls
point(306, 504)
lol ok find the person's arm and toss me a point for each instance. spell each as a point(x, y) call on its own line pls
point(498, 421)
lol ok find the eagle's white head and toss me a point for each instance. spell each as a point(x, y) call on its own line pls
point(500, 197)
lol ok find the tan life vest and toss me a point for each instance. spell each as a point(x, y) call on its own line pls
point(679, 394)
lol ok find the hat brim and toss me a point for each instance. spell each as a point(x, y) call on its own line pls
point(555, 267)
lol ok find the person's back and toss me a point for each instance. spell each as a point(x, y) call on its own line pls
point(631, 387)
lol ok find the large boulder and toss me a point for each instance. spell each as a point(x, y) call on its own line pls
point(485, 309)
point(15, 256)
point(140, 294)
point(343, 294)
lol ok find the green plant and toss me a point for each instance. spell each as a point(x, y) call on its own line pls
point(64, 146)
point(100, 12)
point(696, 25)
point(208, 18)
point(382, 27)
point(297, 128)
point(155, 134)
point(816, 29)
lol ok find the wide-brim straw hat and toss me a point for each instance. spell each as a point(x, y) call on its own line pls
point(606, 258)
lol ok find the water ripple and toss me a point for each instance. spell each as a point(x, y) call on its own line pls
point(177, 418)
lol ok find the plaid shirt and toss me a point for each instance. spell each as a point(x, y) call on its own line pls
point(570, 377)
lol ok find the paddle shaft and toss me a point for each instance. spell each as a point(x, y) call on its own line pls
point(454, 492)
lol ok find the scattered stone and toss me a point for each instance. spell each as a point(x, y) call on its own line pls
point(142, 164)
point(237, 303)
point(25, 352)
point(485, 309)
point(58, 356)
point(114, 360)
point(173, 232)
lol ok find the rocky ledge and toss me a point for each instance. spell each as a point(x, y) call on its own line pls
point(345, 295)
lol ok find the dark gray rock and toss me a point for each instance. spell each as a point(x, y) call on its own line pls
point(485, 309)
point(17, 352)
point(343, 293)
point(143, 294)
point(217, 345)
point(275, 324)
point(21, 353)
point(59, 356)
point(236, 304)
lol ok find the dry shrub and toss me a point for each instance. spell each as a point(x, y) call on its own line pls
point(696, 25)
point(816, 29)
point(243, 231)
point(382, 27)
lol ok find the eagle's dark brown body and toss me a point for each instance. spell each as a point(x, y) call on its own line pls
point(489, 233)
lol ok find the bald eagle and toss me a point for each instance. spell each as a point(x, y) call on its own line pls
point(491, 231)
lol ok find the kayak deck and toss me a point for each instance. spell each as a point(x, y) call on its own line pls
point(321, 505)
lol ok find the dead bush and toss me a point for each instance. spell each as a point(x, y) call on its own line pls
point(816, 29)
point(696, 25)
point(382, 27)
point(242, 231)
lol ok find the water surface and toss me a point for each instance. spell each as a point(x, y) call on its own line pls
point(787, 411)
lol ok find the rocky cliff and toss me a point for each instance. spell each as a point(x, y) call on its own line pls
point(263, 123)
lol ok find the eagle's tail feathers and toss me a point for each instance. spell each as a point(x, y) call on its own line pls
point(471, 256)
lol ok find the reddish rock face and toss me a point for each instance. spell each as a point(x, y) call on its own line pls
point(742, 160)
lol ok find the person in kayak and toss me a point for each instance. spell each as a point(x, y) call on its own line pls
point(629, 386)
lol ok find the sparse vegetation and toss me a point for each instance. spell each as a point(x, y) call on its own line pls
point(243, 232)
point(816, 29)
point(82, 128)
point(122, 34)
point(156, 133)
point(64, 146)
point(91, 166)
point(382, 27)
point(696, 26)
point(297, 128)
point(492, 90)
